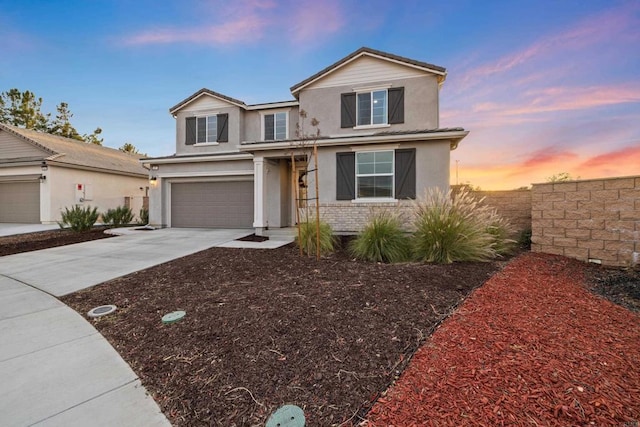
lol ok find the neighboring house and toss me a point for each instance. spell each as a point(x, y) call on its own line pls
point(380, 146)
point(42, 174)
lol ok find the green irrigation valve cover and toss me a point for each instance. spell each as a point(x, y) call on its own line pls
point(287, 416)
point(173, 317)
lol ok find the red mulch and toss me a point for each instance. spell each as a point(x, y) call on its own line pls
point(531, 347)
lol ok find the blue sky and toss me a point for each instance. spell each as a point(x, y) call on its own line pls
point(543, 86)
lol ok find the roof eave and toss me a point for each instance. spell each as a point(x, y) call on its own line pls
point(454, 138)
point(440, 71)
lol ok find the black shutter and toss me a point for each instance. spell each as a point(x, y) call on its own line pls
point(405, 171)
point(223, 128)
point(269, 127)
point(347, 110)
point(345, 176)
point(190, 137)
point(396, 105)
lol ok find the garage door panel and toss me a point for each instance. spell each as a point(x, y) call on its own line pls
point(224, 204)
point(20, 202)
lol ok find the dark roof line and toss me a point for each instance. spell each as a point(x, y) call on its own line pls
point(383, 133)
point(362, 50)
point(210, 92)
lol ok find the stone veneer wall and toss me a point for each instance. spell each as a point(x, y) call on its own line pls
point(594, 220)
point(349, 217)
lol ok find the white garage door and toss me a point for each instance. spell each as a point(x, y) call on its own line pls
point(224, 204)
point(20, 202)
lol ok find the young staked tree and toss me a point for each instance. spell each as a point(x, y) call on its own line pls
point(304, 149)
point(22, 109)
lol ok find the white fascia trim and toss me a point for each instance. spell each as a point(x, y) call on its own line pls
point(189, 159)
point(272, 105)
point(361, 140)
point(204, 174)
point(430, 70)
point(381, 147)
point(174, 111)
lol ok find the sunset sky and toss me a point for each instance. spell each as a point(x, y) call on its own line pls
point(544, 87)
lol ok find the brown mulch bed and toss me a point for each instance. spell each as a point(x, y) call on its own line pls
point(531, 347)
point(18, 243)
point(267, 327)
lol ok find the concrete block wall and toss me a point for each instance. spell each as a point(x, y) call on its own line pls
point(514, 205)
point(594, 220)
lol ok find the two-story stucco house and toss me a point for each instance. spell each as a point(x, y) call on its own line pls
point(380, 145)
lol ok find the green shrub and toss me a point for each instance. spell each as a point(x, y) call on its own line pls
point(457, 227)
point(122, 215)
point(524, 239)
point(382, 240)
point(144, 216)
point(78, 218)
point(308, 235)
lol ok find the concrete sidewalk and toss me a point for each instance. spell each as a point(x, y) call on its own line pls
point(10, 229)
point(56, 369)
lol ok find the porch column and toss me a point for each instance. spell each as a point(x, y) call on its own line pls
point(259, 209)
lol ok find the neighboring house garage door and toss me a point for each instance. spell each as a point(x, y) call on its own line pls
point(224, 204)
point(20, 202)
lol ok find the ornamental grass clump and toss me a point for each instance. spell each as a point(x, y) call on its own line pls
point(457, 227)
point(122, 215)
point(382, 240)
point(79, 219)
point(308, 235)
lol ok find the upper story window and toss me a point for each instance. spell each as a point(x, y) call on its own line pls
point(374, 174)
point(372, 108)
point(379, 107)
point(275, 126)
point(207, 129)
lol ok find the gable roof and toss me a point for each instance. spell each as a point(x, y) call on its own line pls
point(365, 51)
point(205, 91)
point(62, 151)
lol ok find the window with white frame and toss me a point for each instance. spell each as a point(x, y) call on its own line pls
point(374, 174)
point(275, 126)
point(206, 129)
point(372, 108)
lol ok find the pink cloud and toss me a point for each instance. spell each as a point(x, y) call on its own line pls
point(243, 29)
point(314, 19)
point(614, 160)
point(246, 21)
point(552, 99)
point(620, 23)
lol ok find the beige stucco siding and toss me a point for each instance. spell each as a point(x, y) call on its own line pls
point(106, 191)
point(420, 106)
point(235, 125)
point(203, 171)
point(432, 167)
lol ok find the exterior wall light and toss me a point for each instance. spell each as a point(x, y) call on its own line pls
point(44, 166)
point(153, 179)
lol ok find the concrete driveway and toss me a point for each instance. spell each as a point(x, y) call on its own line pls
point(56, 369)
